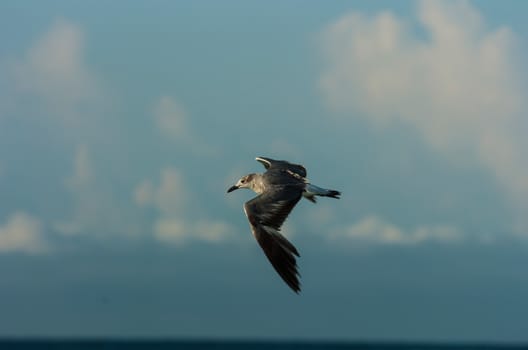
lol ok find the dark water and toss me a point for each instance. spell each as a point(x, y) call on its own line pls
point(235, 345)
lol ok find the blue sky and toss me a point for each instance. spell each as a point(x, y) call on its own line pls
point(123, 124)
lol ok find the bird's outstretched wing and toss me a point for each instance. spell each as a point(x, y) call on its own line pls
point(272, 164)
point(266, 214)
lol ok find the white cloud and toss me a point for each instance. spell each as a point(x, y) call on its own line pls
point(179, 231)
point(81, 184)
point(458, 85)
point(177, 222)
point(169, 197)
point(374, 229)
point(53, 77)
point(95, 208)
point(172, 121)
point(171, 230)
point(83, 169)
point(171, 117)
point(22, 233)
point(144, 193)
point(213, 231)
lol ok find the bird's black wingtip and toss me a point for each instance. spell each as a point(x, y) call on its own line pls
point(334, 194)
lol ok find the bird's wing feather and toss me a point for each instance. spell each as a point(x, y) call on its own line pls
point(271, 164)
point(266, 214)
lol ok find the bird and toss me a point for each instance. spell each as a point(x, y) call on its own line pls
point(278, 190)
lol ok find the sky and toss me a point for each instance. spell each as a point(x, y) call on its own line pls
point(122, 124)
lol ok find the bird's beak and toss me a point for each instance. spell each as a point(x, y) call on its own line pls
point(232, 188)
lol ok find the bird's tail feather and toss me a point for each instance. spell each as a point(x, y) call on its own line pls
point(311, 191)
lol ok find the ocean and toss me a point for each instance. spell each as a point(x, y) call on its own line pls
point(20, 344)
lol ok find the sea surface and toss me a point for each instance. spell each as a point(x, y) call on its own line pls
point(20, 344)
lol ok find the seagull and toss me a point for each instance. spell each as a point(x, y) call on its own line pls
point(279, 189)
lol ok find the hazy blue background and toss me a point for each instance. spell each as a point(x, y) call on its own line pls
point(122, 124)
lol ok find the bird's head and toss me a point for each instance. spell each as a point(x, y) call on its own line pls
point(244, 182)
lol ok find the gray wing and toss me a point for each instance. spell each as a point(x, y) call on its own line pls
point(272, 164)
point(266, 214)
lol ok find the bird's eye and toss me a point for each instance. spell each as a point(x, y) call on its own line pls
point(242, 180)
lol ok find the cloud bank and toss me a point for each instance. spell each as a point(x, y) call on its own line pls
point(458, 85)
point(177, 221)
point(53, 77)
point(374, 229)
point(96, 209)
point(22, 233)
point(173, 122)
